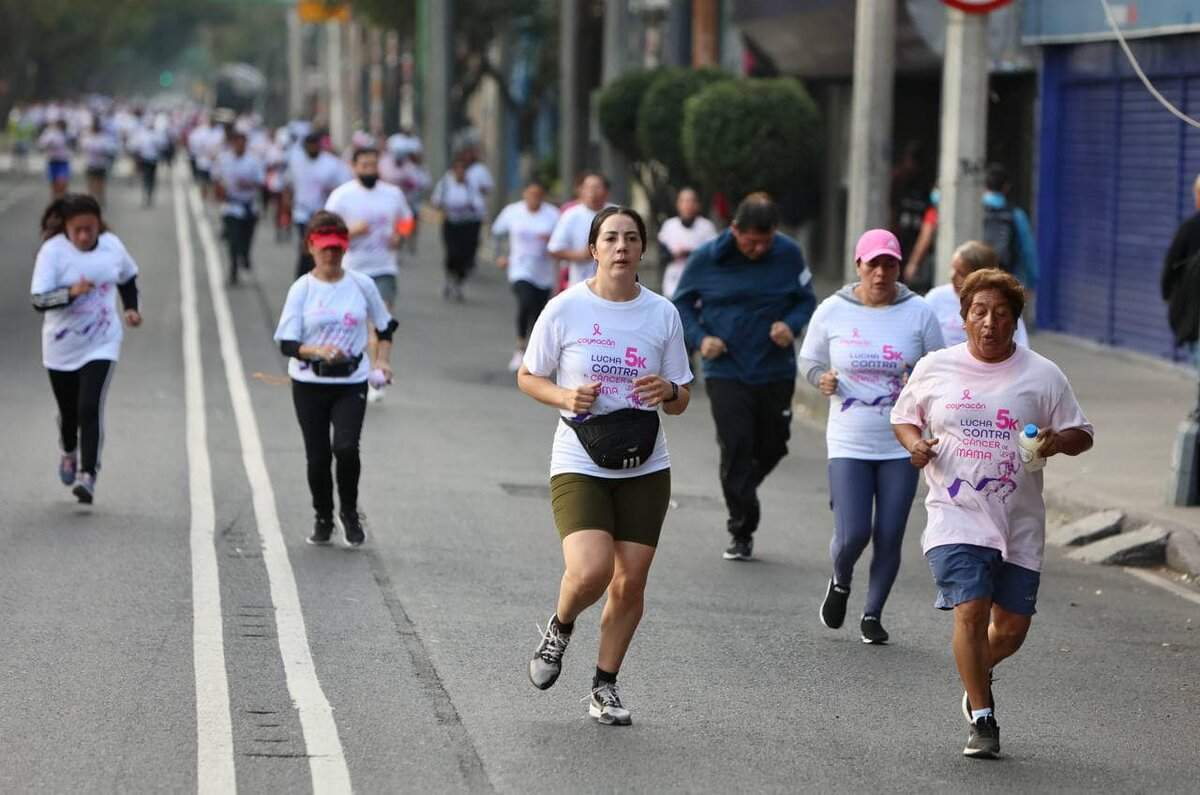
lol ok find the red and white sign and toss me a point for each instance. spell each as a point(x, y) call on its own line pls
point(976, 6)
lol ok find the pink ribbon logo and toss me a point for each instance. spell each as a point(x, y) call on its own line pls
point(967, 395)
point(596, 332)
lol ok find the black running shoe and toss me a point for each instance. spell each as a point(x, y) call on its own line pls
point(740, 549)
point(352, 526)
point(872, 630)
point(322, 531)
point(966, 702)
point(833, 609)
point(983, 741)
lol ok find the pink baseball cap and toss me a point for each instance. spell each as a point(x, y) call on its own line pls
point(876, 243)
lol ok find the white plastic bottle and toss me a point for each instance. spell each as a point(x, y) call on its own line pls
point(1028, 446)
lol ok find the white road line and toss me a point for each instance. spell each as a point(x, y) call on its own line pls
point(327, 761)
point(214, 729)
point(1165, 584)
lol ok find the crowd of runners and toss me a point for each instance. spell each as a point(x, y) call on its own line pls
point(943, 384)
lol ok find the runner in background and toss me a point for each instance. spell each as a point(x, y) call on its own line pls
point(80, 270)
point(569, 239)
point(527, 225)
point(680, 236)
point(238, 177)
point(311, 176)
point(378, 219)
point(944, 299)
point(99, 150)
point(53, 143)
point(462, 208)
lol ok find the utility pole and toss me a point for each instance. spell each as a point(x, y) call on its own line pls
point(571, 109)
point(870, 120)
point(436, 16)
point(295, 53)
point(336, 84)
point(616, 35)
point(375, 112)
point(964, 136)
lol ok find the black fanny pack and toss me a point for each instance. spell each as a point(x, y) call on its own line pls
point(620, 440)
point(344, 369)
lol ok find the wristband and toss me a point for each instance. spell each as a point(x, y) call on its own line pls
point(674, 393)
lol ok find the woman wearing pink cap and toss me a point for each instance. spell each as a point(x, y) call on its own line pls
point(323, 331)
point(860, 345)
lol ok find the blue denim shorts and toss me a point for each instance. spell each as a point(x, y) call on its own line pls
point(965, 571)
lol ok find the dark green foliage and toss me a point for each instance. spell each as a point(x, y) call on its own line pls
point(748, 135)
point(618, 107)
point(660, 117)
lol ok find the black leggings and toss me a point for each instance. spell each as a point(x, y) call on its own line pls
point(462, 241)
point(239, 235)
point(531, 300)
point(80, 396)
point(317, 407)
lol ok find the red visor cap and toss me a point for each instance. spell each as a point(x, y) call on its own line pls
point(329, 240)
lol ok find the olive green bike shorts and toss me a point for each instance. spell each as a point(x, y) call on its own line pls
point(629, 509)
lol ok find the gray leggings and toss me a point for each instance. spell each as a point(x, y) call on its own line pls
point(870, 501)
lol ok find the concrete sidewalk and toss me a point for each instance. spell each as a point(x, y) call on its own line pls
point(1136, 404)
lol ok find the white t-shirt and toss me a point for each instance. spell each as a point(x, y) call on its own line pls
point(679, 238)
point(584, 339)
point(332, 313)
point(460, 201)
point(528, 232)
point(948, 309)
point(99, 149)
point(382, 207)
point(312, 180)
point(480, 178)
point(979, 491)
point(54, 144)
point(571, 234)
point(242, 178)
point(89, 328)
point(871, 349)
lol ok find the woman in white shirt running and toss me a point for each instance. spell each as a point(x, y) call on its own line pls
point(80, 270)
point(462, 207)
point(969, 257)
point(532, 273)
point(616, 351)
point(860, 345)
point(323, 331)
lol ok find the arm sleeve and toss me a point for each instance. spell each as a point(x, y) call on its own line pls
point(45, 288)
point(931, 332)
point(687, 295)
point(544, 345)
point(290, 348)
point(814, 351)
point(558, 237)
point(129, 293)
point(334, 203)
point(500, 226)
point(806, 300)
point(1027, 246)
point(1066, 412)
point(910, 405)
point(291, 319)
point(437, 197)
point(675, 364)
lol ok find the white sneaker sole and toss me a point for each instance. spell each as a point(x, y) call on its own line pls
point(608, 720)
point(346, 542)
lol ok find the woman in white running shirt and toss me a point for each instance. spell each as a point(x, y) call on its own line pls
point(532, 273)
point(462, 207)
point(323, 331)
point(969, 257)
point(681, 235)
point(616, 352)
point(79, 272)
point(860, 345)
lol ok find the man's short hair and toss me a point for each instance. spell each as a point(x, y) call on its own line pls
point(756, 213)
point(363, 151)
point(996, 179)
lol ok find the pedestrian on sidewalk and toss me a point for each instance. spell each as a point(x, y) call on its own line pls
point(960, 417)
point(462, 207)
point(971, 256)
point(79, 272)
point(527, 225)
point(1180, 280)
point(323, 331)
point(680, 235)
point(379, 220)
point(569, 241)
point(743, 299)
point(616, 351)
point(860, 346)
point(1007, 230)
point(238, 178)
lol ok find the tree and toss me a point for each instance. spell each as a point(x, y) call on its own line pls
point(617, 109)
point(742, 136)
point(660, 118)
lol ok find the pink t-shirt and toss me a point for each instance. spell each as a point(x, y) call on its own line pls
point(979, 491)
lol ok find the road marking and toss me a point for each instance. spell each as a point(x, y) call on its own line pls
point(326, 759)
point(214, 729)
point(1165, 584)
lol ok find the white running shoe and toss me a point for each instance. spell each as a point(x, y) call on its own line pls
point(514, 363)
point(606, 706)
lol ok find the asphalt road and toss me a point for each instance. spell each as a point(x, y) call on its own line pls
point(417, 644)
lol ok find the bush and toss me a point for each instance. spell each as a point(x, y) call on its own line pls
point(660, 118)
point(617, 108)
point(741, 136)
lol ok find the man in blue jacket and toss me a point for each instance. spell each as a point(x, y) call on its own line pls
point(744, 298)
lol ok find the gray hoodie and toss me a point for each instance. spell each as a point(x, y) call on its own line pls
point(813, 370)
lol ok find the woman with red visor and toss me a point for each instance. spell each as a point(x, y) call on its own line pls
point(323, 329)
